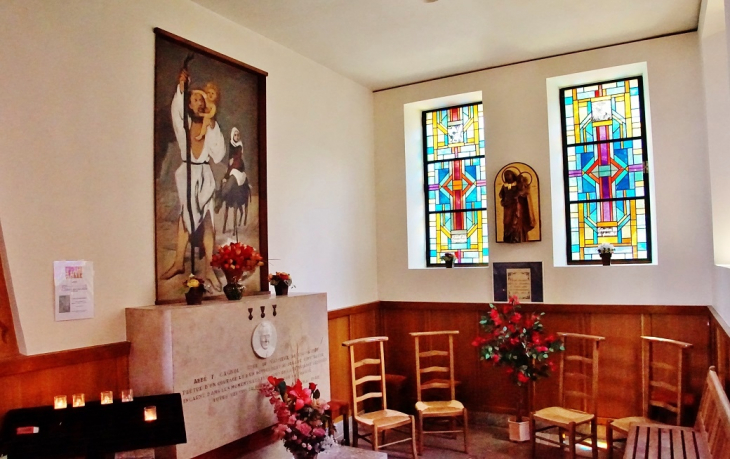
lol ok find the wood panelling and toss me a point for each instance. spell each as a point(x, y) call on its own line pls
point(485, 388)
point(8, 341)
point(28, 381)
point(345, 324)
point(720, 347)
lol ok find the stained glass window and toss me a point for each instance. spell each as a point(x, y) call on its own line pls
point(455, 185)
point(606, 173)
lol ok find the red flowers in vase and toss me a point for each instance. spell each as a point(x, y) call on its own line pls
point(301, 416)
point(234, 259)
point(517, 342)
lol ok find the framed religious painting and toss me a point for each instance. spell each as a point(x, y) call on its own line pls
point(517, 204)
point(209, 164)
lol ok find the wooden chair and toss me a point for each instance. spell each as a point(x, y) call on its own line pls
point(451, 408)
point(576, 383)
point(656, 390)
point(381, 420)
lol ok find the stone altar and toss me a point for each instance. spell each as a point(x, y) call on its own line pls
point(205, 353)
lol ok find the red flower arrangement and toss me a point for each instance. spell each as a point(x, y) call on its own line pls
point(301, 416)
point(234, 259)
point(274, 279)
point(516, 341)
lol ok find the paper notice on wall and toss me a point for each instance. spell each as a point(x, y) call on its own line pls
point(519, 284)
point(74, 282)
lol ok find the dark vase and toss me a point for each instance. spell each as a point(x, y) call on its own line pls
point(195, 295)
point(232, 289)
point(303, 455)
point(281, 289)
point(449, 263)
point(606, 258)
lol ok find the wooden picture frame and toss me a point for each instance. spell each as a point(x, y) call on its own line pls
point(214, 192)
point(517, 204)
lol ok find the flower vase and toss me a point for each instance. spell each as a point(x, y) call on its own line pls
point(519, 431)
point(281, 289)
point(449, 263)
point(302, 455)
point(606, 258)
point(232, 289)
point(195, 295)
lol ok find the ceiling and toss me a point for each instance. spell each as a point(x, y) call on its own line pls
point(386, 43)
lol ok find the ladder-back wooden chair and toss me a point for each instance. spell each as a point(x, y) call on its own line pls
point(662, 386)
point(382, 420)
point(450, 409)
point(578, 381)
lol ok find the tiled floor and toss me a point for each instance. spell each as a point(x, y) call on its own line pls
point(488, 442)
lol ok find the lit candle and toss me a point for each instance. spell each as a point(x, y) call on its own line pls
point(150, 413)
point(59, 402)
point(78, 400)
point(107, 397)
point(127, 395)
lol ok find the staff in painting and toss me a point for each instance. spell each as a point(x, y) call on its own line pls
point(186, 93)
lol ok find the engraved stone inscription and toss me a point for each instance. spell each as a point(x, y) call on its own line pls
point(233, 382)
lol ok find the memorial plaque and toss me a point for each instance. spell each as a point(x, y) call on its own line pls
point(205, 353)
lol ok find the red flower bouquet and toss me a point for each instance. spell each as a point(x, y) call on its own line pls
point(301, 417)
point(274, 279)
point(234, 259)
point(516, 341)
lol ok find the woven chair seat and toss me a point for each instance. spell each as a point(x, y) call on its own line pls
point(440, 408)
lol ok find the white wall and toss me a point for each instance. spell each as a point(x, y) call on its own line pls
point(516, 130)
point(76, 181)
point(714, 47)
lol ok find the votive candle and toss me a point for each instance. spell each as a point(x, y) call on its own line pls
point(127, 395)
point(59, 402)
point(107, 397)
point(150, 413)
point(78, 400)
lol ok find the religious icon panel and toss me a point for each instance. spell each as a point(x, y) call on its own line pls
point(517, 204)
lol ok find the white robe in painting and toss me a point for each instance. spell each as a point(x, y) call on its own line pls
point(202, 181)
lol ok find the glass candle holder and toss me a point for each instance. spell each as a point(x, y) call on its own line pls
point(107, 397)
point(59, 402)
point(78, 400)
point(127, 395)
point(150, 413)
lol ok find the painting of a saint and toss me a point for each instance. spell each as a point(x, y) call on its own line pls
point(208, 128)
point(517, 195)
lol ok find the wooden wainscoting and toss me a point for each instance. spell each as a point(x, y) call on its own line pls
point(485, 388)
point(345, 324)
point(8, 340)
point(720, 339)
point(34, 380)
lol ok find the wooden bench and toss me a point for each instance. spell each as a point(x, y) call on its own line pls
point(713, 419)
point(710, 439)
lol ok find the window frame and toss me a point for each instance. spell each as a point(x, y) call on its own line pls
point(427, 212)
point(646, 173)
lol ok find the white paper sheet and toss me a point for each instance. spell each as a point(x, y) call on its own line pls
point(74, 298)
point(519, 284)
